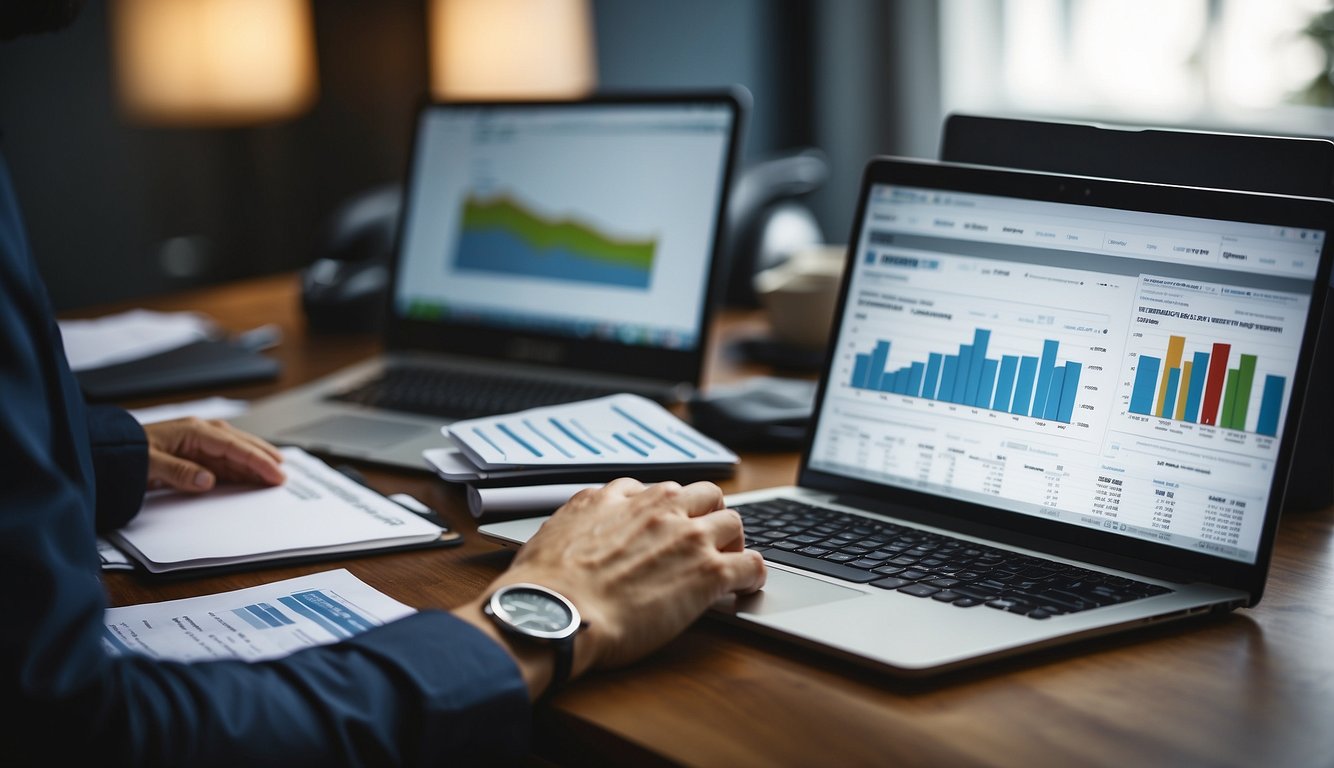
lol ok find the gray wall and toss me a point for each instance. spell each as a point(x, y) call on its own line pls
point(117, 210)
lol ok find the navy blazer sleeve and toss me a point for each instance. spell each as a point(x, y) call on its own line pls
point(120, 464)
point(428, 689)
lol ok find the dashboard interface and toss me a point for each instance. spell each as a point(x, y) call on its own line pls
point(1104, 368)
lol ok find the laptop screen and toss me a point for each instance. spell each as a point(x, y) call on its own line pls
point(585, 220)
point(1111, 369)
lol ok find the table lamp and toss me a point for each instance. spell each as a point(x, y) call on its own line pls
point(214, 62)
point(496, 49)
point(228, 69)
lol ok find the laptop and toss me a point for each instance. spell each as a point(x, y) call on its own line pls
point(547, 252)
point(1053, 407)
point(1290, 165)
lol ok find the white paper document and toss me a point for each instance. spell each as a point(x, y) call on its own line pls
point(317, 510)
point(454, 467)
point(263, 622)
point(624, 430)
point(129, 336)
point(204, 408)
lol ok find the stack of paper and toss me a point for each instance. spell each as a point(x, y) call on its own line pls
point(130, 335)
point(316, 514)
point(142, 352)
point(591, 441)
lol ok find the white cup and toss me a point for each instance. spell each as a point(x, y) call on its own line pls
point(799, 294)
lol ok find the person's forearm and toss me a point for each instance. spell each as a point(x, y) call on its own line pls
point(535, 662)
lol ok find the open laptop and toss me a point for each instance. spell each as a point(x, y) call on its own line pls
point(1054, 407)
point(547, 252)
point(1289, 165)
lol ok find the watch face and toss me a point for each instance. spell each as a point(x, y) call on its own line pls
point(534, 611)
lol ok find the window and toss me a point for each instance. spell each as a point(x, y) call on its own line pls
point(1253, 65)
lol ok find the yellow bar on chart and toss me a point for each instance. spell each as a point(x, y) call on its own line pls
point(1175, 346)
point(1183, 389)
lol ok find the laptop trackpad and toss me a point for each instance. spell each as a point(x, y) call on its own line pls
point(787, 591)
point(364, 432)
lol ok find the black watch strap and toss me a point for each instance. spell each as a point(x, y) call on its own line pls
point(564, 662)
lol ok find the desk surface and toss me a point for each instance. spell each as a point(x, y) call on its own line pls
point(1252, 688)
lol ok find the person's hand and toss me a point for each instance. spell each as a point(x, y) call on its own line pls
point(639, 562)
point(192, 454)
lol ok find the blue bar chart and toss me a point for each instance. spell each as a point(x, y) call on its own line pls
point(1040, 386)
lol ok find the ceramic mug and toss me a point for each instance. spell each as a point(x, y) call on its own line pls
point(799, 294)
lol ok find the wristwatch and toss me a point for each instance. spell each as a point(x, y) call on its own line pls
point(538, 614)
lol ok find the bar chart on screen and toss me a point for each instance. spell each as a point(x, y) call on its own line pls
point(1209, 383)
point(1203, 365)
point(1042, 376)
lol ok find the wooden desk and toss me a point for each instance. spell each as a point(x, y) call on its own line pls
point(1254, 688)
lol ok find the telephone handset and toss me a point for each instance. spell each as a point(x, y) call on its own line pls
point(345, 288)
point(766, 220)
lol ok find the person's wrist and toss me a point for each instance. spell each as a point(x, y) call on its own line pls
point(537, 615)
point(592, 634)
point(591, 637)
point(535, 663)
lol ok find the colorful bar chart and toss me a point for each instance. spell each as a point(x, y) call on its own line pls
point(1025, 385)
point(1204, 390)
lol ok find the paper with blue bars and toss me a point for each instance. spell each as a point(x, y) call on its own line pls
point(619, 429)
point(253, 624)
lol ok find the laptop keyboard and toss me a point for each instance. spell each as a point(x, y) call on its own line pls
point(928, 565)
point(462, 394)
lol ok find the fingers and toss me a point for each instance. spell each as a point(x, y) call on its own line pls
point(724, 529)
point(624, 486)
point(216, 446)
point(700, 504)
point(703, 497)
point(254, 440)
point(743, 570)
point(166, 470)
point(695, 499)
point(246, 456)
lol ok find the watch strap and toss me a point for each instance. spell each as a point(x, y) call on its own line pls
point(563, 647)
point(564, 662)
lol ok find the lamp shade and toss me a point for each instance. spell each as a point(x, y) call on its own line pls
point(214, 62)
point(495, 49)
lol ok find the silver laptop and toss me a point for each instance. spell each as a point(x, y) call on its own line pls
point(1054, 407)
point(548, 252)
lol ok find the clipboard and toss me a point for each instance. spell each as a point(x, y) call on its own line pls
point(206, 363)
point(163, 547)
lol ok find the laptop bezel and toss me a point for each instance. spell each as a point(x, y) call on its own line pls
point(1288, 165)
point(1062, 539)
point(531, 347)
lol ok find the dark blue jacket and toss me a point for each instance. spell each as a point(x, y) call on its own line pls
point(428, 689)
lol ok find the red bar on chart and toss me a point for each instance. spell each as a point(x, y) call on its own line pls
point(1213, 385)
